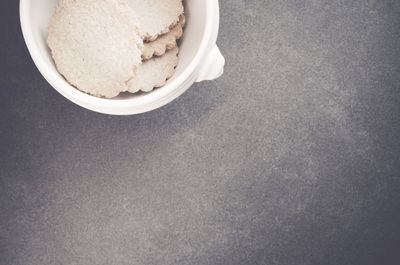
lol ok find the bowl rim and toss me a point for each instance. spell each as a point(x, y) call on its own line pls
point(127, 106)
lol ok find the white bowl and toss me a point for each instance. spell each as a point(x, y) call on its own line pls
point(199, 58)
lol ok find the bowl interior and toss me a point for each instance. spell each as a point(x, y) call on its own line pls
point(38, 16)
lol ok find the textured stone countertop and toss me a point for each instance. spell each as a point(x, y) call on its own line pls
point(292, 157)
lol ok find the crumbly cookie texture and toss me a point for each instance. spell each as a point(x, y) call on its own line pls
point(95, 44)
point(156, 17)
point(154, 72)
point(164, 42)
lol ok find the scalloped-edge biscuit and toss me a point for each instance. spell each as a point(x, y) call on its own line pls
point(156, 17)
point(154, 72)
point(164, 42)
point(95, 44)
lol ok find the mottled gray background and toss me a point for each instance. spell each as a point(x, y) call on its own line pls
point(292, 157)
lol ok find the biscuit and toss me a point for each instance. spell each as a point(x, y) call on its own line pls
point(154, 72)
point(164, 42)
point(156, 17)
point(95, 44)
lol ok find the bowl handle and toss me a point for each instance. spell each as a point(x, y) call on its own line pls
point(213, 66)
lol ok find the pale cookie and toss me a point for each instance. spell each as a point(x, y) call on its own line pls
point(154, 72)
point(95, 44)
point(164, 42)
point(156, 17)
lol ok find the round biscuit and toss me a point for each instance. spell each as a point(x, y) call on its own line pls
point(164, 42)
point(95, 44)
point(154, 72)
point(156, 17)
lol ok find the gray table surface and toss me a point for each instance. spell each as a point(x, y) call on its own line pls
point(292, 157)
